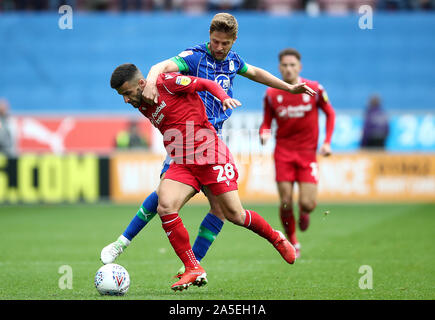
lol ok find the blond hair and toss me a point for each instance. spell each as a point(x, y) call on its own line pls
point(224, 22)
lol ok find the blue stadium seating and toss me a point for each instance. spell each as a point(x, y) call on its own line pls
point(46, 69)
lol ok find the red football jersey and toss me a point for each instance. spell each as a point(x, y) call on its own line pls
point(297, 117)
point(181, 117)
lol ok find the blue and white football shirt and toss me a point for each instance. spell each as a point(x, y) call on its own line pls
point(197, 61)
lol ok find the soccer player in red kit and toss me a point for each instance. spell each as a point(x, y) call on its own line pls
point(297, 118)
point(200, 159)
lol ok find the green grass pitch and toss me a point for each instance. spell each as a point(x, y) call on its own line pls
point(395, 240)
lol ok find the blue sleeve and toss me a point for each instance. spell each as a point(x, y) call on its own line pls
point(243, 67)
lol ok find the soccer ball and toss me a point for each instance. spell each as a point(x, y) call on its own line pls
point(112, 279)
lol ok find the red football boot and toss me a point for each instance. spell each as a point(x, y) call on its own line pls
point(193, 275)
point(285, 248)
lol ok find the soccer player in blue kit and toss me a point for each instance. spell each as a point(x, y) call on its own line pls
point(216, 61)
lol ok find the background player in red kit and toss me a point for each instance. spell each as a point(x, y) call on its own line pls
point(200, 159)
point(297, 134)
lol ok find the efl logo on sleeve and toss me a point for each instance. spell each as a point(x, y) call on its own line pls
point(185, 53)
point(183, 80)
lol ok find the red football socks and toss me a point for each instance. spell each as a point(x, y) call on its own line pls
point(289, 223)
point(179, 238)
point(255, 222)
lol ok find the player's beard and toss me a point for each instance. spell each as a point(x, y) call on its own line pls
point(138, 101)
point(219, 55)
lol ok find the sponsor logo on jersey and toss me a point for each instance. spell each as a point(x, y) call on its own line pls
point(224, 81)
point(183, 80)
point(293, 111)
point(210, 64)
point(185, 53)
point(156, 117)
point(168, 76)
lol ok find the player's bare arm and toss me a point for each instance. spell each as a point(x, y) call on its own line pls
point(268, 79)
point(150, 93)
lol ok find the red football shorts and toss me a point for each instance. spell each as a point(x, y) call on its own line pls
point(300, 166)
point(219, 178)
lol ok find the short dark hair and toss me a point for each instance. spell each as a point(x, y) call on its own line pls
point(289, 52)
point(123, 73)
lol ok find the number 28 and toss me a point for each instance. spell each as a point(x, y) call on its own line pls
point(228, 170)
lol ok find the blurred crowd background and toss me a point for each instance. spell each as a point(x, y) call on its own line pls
point(60, 118)
point(200, 6)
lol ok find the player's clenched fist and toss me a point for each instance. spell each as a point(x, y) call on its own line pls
point(230, 103)
point(325, 150)
point(149, 93)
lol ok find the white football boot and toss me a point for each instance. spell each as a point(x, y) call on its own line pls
point(113, 250)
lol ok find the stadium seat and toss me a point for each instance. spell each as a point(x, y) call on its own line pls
point(336, 7)
point(194, 6)
point(280, 7)
point(351, 63)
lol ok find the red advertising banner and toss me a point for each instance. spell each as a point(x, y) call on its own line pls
point(73, 134)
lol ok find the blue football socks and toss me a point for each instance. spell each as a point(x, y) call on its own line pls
point(145, 213)
point(208, 231)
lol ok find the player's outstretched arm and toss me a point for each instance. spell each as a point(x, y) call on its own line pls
point(218, 92)
point(150, 93)
point(265, 77)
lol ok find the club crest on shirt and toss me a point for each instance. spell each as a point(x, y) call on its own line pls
point(279, 98)
point(183, 80)
point(306, 98)
point(231, 65)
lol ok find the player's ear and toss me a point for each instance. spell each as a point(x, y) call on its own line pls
point(142, 82)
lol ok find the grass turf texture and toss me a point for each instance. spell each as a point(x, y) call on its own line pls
point(396, 241)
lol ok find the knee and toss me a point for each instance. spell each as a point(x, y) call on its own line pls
point(307, 205)
point(165, 207)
